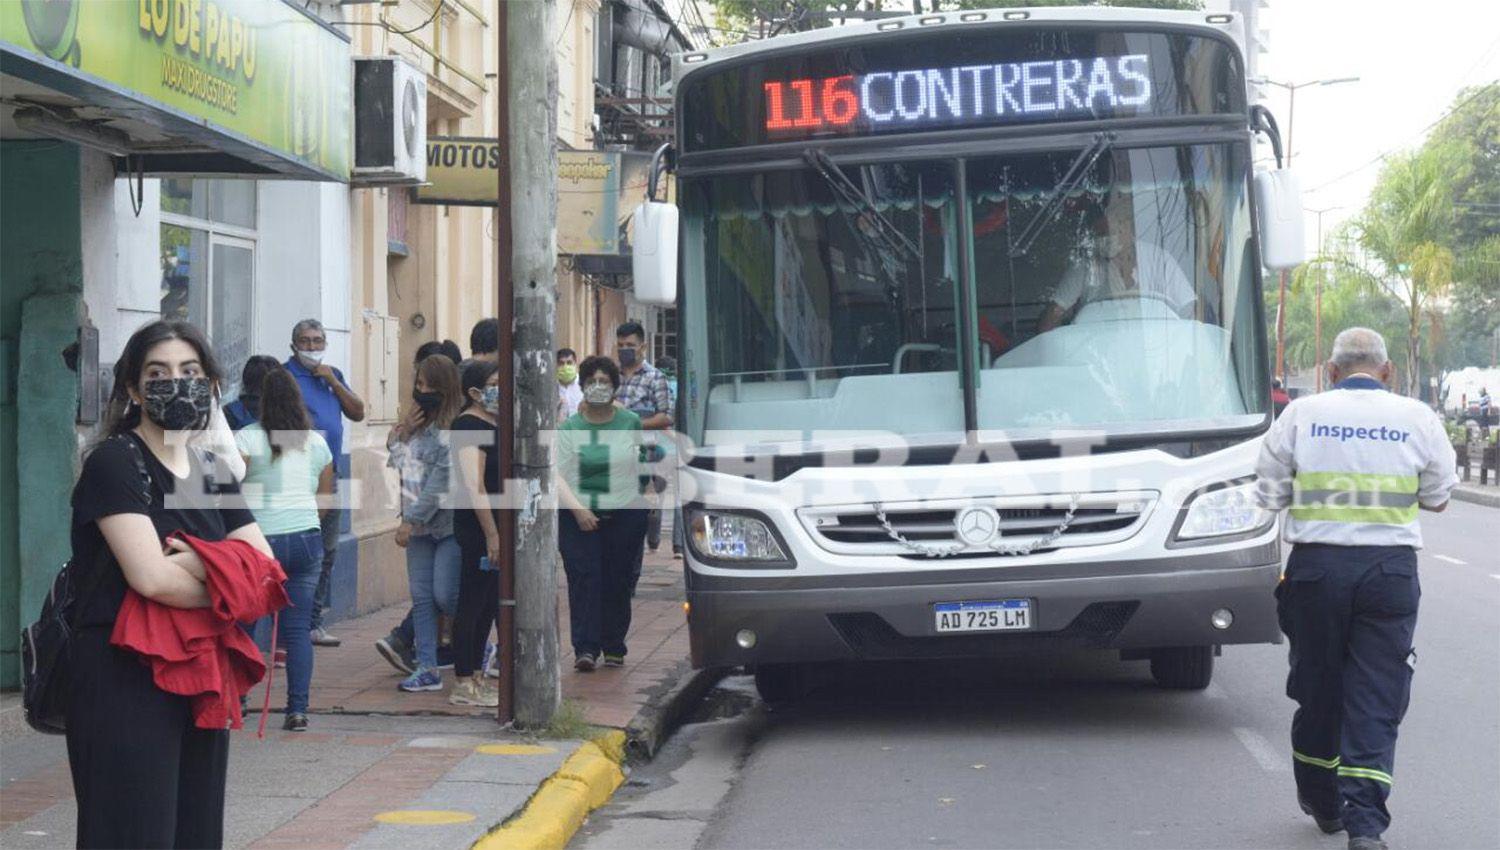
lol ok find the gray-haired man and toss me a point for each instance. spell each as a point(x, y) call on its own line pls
point(329, 400)
point(1352, 466)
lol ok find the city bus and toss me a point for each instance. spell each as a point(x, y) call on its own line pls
point(972, 346)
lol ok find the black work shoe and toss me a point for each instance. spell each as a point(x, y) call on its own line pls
point(1328, 825)
point(395, 650)
point(584, 663)
point(295, 723)
point(1366, 842)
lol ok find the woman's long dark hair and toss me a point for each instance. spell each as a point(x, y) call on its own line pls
point(475, 375)
point(442, 376)
point(124, 415)
point(283, 416)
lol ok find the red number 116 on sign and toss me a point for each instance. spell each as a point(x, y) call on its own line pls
point(829, 102)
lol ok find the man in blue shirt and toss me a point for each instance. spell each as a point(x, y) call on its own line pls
point(329, 400)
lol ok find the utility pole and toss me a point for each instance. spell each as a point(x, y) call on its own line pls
point(528, 285)
point(1317, 312)
point(1291, 115)
point(505, 442)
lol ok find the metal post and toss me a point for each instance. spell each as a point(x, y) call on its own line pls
point(532, 92)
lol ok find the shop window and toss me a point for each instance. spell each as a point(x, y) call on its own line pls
point(208, 246)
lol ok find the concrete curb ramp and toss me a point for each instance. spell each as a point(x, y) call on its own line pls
point(586, 781)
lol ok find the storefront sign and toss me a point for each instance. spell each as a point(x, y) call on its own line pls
point(259, 70)
point(596, 191)
point(461, 171)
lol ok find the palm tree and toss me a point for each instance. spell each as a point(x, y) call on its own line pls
point(1401, 232)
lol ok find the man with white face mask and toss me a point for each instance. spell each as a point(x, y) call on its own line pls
point(329, 400)
point(1122, 267)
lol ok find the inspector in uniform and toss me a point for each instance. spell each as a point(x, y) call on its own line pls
point(1352, 465)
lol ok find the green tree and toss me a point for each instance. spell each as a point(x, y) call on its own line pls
point(1472, 130)
point(1402, 233)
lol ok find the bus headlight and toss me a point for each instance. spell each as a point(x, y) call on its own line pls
point(735, 538)
point(1223, 511)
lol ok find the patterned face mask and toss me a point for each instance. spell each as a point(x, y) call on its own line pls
point(178, 404)
point(490, 398)
point(598, 394)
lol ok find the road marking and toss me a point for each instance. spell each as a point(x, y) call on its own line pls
point(1495, 575)
point(1451, 560)
point(1269, 757)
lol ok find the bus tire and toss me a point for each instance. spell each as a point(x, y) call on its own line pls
point(1183, 668)
point(778, 684)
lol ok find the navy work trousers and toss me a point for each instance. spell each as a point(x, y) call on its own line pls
point(1349, 613)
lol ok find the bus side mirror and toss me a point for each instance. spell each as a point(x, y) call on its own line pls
point(1278, 209)
point(653, 261)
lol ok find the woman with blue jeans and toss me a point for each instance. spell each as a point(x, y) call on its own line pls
point(288, 466)
point(419, 449)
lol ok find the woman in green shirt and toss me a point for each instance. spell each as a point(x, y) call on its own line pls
point(288, 466)
point(601, 532)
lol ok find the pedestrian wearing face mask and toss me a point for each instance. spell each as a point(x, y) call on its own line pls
point(645, 391)
point(245, 410)
point(143, 774)
point(328, 400)
point(421, 452)
point(477, 527)
point(569, 392)
point(603, 526)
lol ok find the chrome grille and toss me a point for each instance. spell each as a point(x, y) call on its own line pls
point(858, 530)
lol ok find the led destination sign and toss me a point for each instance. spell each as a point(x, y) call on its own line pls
point(931, 81)
point(916, 99)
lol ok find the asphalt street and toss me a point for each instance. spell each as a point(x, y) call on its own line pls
point(1081, 751)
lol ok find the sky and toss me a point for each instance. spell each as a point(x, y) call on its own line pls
point(1411, 58)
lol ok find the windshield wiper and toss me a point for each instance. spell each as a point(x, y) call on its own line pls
point(886, 235)
point(1071, 178)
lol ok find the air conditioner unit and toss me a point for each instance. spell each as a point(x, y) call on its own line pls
point(390, 122)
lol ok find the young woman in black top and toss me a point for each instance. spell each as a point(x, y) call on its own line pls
point(475, 526)
point(143, 774)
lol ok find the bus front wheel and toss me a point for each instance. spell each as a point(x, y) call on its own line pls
point(1184, 668)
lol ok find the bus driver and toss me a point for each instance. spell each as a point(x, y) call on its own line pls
point(1121, 266)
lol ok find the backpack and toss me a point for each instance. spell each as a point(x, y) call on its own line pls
point(46, 663)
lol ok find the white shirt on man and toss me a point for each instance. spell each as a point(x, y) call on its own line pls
point(1157, 276)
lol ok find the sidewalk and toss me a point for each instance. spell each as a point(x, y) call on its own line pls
point(354, 679)
point(435, 775)
point(1479, 494)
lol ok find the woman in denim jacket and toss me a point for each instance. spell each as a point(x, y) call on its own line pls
point(419, 449)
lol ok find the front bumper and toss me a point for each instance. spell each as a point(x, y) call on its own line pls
point(865, 620)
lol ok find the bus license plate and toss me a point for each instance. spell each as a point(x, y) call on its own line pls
point(1005, 615)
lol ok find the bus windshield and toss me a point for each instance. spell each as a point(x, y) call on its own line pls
point(1129, 306)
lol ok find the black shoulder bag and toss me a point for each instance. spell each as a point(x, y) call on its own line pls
point(46, 644)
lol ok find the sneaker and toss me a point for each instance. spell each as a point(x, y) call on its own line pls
point(295, 723)
point(394, 650)
point(613, 660)
point(491, 665)
point(470, 692)
point(584, 662)
point(279, 659)
point(1328, 825)
point(321, 637)
point(422, 680)
point(1366, 842)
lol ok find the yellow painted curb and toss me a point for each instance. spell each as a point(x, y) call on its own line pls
point(586, 781)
